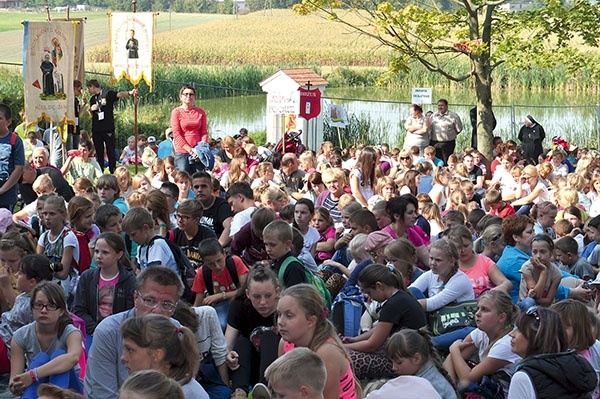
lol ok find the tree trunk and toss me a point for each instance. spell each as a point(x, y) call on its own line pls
point(485, 119)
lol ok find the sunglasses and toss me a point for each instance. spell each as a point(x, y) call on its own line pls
point(533, 311)
point(405, 158)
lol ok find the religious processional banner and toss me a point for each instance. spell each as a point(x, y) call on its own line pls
point(131, 41)
point(79, 62)
point(48, 68)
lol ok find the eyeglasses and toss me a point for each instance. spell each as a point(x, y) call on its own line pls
point(49, 306)
point(533, 311)
point(188, 94)
point(152, 303)
point(182, 217)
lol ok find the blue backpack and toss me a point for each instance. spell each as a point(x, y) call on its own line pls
point(347, 309)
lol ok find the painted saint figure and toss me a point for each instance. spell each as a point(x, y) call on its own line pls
point(48, 80)
point(132, 45)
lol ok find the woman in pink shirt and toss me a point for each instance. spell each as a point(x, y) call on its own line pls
point(189, 128)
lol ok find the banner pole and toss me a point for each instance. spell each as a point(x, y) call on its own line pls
point(135, 107)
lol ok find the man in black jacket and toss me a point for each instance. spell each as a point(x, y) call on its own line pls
point(61, 186)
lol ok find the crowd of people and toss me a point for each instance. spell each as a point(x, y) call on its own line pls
point(230, 270)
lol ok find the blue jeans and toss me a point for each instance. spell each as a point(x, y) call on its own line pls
point(525, 304)
point(68, 380)
point(443, 342)
point(222, 309)
point(524, 209)
point(182, 163)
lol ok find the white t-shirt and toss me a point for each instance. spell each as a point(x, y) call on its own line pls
point(521, 387)
point(500, 350)
point(69, 240)
point(310, 238)
point(240, 219)
point(458, 289)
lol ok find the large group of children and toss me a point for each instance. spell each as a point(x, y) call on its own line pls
point(313, 275)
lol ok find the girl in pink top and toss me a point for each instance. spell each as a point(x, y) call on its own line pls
point(189, 128)
point(323, 223)
point(302, 321)
point(481, 270)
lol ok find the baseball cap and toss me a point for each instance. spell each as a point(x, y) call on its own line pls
point(151, 139)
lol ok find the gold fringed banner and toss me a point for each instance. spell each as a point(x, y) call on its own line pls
point(48, 64)
point(132, 36)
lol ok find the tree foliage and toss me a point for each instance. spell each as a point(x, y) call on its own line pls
point(433, 34)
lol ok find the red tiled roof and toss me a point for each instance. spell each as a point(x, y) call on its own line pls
point(304, 75)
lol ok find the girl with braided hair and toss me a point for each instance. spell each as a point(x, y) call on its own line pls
point(442, 285)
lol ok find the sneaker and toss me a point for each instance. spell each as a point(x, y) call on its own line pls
point(260, 391)
point(239, 393)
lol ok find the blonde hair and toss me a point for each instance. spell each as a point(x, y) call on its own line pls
point(307, 156)
point(272, 194)
point(567, 196)
point(121, 172)
point(298, 367)
point(545, 169)
point(136, 181)
point(345, 199)
point(531, 170)
point(357, 247)
point(43, 183)
point(576, 181)
point(136, 199)
point(431, 211)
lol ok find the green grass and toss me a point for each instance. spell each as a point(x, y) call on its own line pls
point(96, 28)
point(11, 20)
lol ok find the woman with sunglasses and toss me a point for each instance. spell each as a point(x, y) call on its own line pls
point(189, 126)
point(406, 163)
point(548, 369)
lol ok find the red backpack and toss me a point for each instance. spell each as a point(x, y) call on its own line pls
point(85, 256)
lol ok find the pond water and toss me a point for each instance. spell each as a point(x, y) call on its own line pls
point(573, 116)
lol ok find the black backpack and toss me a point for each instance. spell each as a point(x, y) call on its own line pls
point(207, 275)
point(186, 270)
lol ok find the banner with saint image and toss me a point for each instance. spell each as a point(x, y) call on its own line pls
point(48, 65)
point(131, 40)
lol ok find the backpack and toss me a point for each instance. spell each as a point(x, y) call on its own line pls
point(13, 141)
point(347, 309)
point(310, 278)
point(186, 270)
point(55, 253)
point(207, 275)
point(85, 256)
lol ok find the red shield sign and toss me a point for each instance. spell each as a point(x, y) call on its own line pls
point(310, 103)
